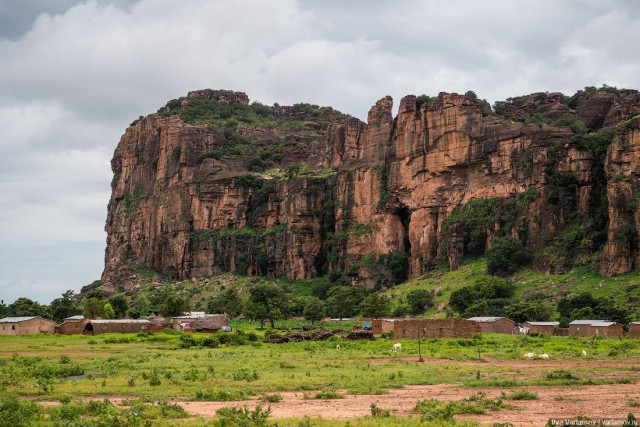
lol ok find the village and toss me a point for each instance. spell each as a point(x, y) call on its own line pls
point(406, 328)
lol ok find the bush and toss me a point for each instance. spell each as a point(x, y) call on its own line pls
point(520, 395)
point(226, 417)
point(14, 412)
point(506, 255)
point(272, 398)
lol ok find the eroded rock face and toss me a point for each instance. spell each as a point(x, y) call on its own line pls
point(212, 184)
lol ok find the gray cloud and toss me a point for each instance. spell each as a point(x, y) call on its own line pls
point(77, 73)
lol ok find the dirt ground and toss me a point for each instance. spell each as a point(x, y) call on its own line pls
point(593, 401)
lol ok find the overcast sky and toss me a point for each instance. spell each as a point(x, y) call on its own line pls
point(74, 74)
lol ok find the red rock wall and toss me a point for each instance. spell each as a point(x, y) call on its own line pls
point(393, 182)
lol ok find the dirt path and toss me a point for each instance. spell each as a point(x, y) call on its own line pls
point(606, 401)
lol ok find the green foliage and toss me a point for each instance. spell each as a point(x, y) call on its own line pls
point(506, 255)
point(572, 121)
point(244, 417)
point(419, 300)
point(131, 201)
point(436, 410)
point(484, 288)
point(272, 398)
point(523, 310)
point(314, 310)
point(174, 305)
point(471, 221)
point(375, 304)
point(94, 308)
point(65, 306)
point(342, 301)
point(119, 304)
point(424, 100)
point(17, 413)
point(586, 306)
point(384, 188)
point(229, 301)
point(27, 307)
point(520, 395)
point(267, 301)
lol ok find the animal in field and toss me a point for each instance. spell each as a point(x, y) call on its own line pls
point(529, 355)
point(544, 356)
point(584, 353)
point(397, 346)
point(338, 347)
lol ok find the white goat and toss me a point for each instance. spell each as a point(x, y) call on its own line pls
point(544, 356)
point(397, 346)
point(584, 353)
point(338, 347)
point(529, 355)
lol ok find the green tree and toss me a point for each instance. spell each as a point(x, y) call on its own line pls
point(65, 306)
point(119, 304)
point(342, 301)
point(267, 301)
point(480, 308)
point(229, 301)
point(107, 311)
point(522, 311)
point(419, 300)
point(314, 310)
point(485, 288)
point(93, 308)
point(375, 305)
point(506, 255)
point(142, 306)
point(174, 305)
point(27, 307)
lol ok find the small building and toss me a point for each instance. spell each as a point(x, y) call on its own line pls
point(541, 327)
point(204, 322)
point(597, 328)
point(497, 325)
point(380, 326)
point(634, 330)
point(115, 326)
point(451, 327)
point(26, 325)
point(73, 325)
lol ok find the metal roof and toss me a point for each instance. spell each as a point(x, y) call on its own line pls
point(589, 322)
point(104, 321)
point(76, 317)
point(198, 316)
point(543, 323)
point(485, 318)
point(17, 319)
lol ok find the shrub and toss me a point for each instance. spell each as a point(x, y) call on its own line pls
point(242, 417)
point(14, 412)
point(506, 255)
point(272, 398)
point(520, 395)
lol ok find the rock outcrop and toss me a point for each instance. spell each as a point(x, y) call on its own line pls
point(212, 183)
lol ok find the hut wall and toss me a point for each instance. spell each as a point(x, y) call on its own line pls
point(379, 326)
point(28, 327)
point(435, 328)
point(634, 330)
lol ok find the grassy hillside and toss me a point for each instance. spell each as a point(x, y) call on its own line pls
point(625, 289)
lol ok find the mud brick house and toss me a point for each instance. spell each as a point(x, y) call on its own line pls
point(380, 326)
point(598, 328)
point(26, 325)
point(541, 327)
point(73, 325)
point(634, 330)
point(451, 327)
point(498, 325)
point(116, 326)
point(200, 322)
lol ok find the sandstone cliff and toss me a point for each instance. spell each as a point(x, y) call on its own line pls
point(212, 183)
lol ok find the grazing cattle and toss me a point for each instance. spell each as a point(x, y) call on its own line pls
point(584, 353)
point(397, 346)
point(529, 355)
point(544, 356)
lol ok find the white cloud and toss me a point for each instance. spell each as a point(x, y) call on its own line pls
point(75, 80)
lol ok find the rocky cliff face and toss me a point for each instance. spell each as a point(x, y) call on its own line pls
point(212, 183)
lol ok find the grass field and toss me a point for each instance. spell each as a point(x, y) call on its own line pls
point(153, 377)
